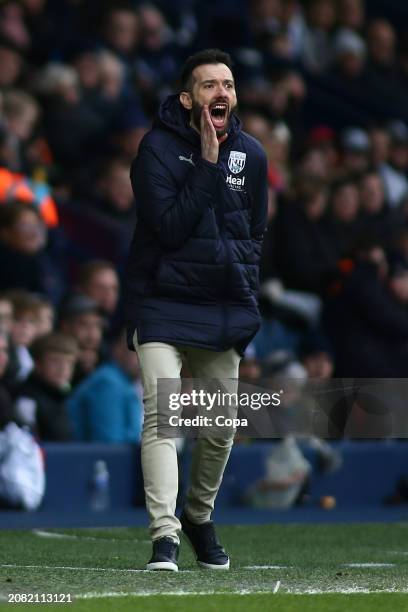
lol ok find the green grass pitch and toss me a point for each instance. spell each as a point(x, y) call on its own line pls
point(361, 567)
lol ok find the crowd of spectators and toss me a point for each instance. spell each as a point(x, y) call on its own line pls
point(323, 84)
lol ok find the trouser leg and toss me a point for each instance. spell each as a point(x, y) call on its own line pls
point(210, 455)
point(159, 455)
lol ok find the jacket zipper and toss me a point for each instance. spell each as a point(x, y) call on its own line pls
point(227, 282)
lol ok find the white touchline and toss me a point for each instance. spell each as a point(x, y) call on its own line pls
point(344, 591)
point(294, 591)
point(88, 569)
point(258, 567)
point(96, 595)
point(68, 567)
point(65, 536)
point(369, 565)
point(276, 589)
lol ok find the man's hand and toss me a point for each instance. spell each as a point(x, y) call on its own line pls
point(210, 144)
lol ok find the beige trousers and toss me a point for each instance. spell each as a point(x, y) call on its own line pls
point(159, 455)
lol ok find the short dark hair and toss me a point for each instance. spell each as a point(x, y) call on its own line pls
point(78, 304)
point(206, 56)
point(306, 187)
point(23, 302)
point(369, 172)
point(345, 181)
point(10, 212)
point(88, 270)
point(54, 342)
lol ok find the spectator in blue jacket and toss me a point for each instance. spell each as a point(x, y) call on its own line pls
point(192, 280)
point(107, 406)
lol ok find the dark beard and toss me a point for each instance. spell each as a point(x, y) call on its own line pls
point(196, 111)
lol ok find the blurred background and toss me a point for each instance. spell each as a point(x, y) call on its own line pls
point(323, 84)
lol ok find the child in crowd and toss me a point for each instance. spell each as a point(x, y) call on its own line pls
point(23, 329)
point(99, 280)
point(40, 400)
point(82, 318)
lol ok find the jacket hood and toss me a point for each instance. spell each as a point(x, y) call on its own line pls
point(173, 116)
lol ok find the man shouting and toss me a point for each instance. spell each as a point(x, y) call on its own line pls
point(192, 281)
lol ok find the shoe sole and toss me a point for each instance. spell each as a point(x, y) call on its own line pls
point(213, 566)
point(201, 564)
point(162, 565)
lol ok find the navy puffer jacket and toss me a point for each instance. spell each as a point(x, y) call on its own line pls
point(192, 272)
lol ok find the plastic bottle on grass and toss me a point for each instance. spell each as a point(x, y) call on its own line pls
point(100, 493)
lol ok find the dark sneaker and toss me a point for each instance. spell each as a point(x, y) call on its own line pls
point(210, 554)
point(165, 555)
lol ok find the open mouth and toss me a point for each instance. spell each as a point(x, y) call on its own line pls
point(218, 114)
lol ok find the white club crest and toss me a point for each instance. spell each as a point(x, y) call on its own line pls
point(236, 161)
